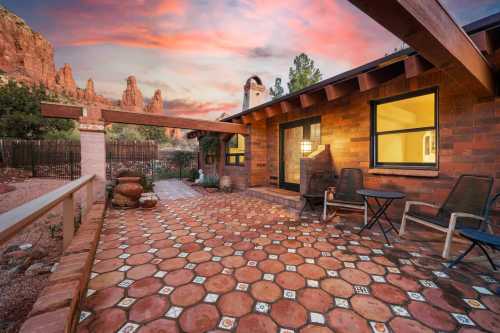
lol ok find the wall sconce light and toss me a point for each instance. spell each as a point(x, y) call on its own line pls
point(306, 146)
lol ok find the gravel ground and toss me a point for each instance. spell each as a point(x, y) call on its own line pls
point(18, 292)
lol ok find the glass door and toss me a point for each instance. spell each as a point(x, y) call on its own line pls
point(297, 139)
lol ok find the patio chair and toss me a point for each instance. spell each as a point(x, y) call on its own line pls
point(344, 195)
point(481, 238)
point(319, 182)
point(465, 207)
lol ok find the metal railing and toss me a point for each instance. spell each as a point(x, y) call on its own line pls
point(18, 218)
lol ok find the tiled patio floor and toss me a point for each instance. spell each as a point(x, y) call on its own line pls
point(232, 262)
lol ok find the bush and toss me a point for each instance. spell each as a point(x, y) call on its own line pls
point(20, 113)
point(194, 174)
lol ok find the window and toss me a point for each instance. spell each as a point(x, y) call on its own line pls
point(235, 150)
point(405, 131)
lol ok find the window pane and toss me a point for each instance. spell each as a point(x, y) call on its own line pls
point(414, 112)
point(232, 160)
point(242, 159)
point(411, 147)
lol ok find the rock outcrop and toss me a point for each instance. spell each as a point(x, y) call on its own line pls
point(25, 54)
point(156, 103)
point(65, 80)
point(132, 97)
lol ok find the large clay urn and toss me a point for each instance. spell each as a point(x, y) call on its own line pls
point(127, 192)
point(129, 187)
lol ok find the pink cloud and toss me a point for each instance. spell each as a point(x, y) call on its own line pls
point(185, 107)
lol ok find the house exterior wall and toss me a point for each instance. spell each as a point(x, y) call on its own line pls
point(468, 130)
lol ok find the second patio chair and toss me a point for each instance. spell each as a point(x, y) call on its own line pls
point(344, 195)
point(465, 207)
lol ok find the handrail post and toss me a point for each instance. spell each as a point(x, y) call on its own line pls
point(68, 220)
point(90, 194)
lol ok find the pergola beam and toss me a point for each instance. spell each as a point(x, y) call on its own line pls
point(143, 118)
point(428, 28)
point(54, 110)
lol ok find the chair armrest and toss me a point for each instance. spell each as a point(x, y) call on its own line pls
point(455, 215)
point(418, 203)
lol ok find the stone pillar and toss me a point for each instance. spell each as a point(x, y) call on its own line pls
point(93, 154)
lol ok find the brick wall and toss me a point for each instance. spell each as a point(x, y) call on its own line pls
point(469, 138)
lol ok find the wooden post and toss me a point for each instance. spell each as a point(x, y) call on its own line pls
point(90, 195)
point(68, 220)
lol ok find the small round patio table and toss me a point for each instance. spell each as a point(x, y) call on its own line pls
point(379, 195)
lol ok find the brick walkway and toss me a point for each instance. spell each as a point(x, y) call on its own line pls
point(173, 189)
point(231, 262)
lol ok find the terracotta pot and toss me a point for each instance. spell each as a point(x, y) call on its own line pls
point(122, 180)
point(130, 187)
point(123, 201)
point(225, 183)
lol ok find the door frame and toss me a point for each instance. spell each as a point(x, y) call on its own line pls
point(306, 124)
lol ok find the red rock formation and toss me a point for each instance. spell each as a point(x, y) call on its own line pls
point(64, 79)
point(132, 97)
point(156, 104)
point(25, 54)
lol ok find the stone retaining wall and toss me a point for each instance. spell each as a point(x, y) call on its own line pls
point(56, 308)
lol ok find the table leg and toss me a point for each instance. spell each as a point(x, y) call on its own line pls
point(391, 226)
point(376, 217)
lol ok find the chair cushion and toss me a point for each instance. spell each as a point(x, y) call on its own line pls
point(481, 236)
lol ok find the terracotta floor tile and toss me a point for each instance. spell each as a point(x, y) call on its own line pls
point(106, 280)
point(148, 308)
point(431, 316)
point(145, 287)
point(248, 274)
point(253, 262)
point(109, 320)
point(256, 323)
point(160, 325)
point(347, 321)
point(266, 291)
point(388, 293)
point(235, 304)
point(405, 325)
point(108, 265)
point(220, 283)
point(290, 280)
point(314, 299)
point(104, 298)
point(371, 308)
point(188, 294)
point(141, 271)
point(199, 318)
point(289, 314)
point(337, 287)
point(208, 269)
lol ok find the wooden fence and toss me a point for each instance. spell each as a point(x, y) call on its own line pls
point(61, 158)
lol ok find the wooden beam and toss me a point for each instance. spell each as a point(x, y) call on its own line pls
point(286, 106)
point(143, 118)
point(258, 115)
point(53, 110)
point(237, 120)
point(374, 78)
point(428, 28)
point(337, 90)
point(483, 41)
point(307, 100)
point(246, 119)
point(272, 111)
point(416, 65)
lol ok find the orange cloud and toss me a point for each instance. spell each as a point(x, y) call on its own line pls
point(185, 107)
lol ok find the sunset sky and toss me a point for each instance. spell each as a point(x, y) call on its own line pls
point(199, 53)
